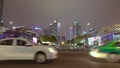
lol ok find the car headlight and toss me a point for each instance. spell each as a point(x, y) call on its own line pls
point(97, 54)
point(52, 49)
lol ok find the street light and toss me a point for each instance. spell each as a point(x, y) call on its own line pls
point(84, 32)
point(1, 21)
point(88, 24)
point(11, 22)
point(12, 26)
point(55, 21)
point(37, 29)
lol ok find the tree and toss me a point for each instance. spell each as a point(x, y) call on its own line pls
point(53, 39)
point(48, 38)
point(77, 39)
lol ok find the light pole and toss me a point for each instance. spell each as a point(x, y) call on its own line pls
point(88, 24)
point(12, 26)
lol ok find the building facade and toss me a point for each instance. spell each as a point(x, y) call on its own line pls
point(1, 9)
point(53, 29)
point(76, 29)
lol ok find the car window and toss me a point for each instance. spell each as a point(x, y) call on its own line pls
point(6, 42)
point(21, 42)
point(117, 44)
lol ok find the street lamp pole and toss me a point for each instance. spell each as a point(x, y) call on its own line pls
point(88, 24)
point(12, 26)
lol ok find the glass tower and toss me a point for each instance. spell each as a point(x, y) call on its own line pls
point(1, 9)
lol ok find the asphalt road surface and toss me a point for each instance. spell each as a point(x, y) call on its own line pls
point(66, 59)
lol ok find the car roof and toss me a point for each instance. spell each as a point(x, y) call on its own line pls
point(12, 38)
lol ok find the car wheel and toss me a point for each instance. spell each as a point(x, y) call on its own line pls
point(40, 58)
point(112, 57)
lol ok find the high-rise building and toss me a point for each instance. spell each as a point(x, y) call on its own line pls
point(2, 28)
point(70, 33)
point(76, 29)
point(1, 9)
point(53, 29)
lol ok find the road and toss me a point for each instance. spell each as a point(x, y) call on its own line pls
point(66, 59)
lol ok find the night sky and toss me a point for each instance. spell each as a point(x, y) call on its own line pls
point(41, 13)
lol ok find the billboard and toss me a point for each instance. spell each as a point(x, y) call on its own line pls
point(94, 40)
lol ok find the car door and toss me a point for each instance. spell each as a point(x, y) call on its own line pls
point(22, 50)
point(6, 49)
point(117, 47)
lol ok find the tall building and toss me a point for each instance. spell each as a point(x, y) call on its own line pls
point(70, 33)
point(2, 28)
point(1, 9)
point(76, 29)
point(53, 29)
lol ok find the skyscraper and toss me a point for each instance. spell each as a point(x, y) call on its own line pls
point(54, 29)
point(1, 9)
point(76, 28)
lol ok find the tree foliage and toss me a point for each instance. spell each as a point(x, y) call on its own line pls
point(48, 38)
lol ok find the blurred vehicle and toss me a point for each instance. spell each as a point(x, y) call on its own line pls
point(22, 49)
point(109, 51)
point(45, 44)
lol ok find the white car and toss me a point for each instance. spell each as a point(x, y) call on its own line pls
point(22, 49)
